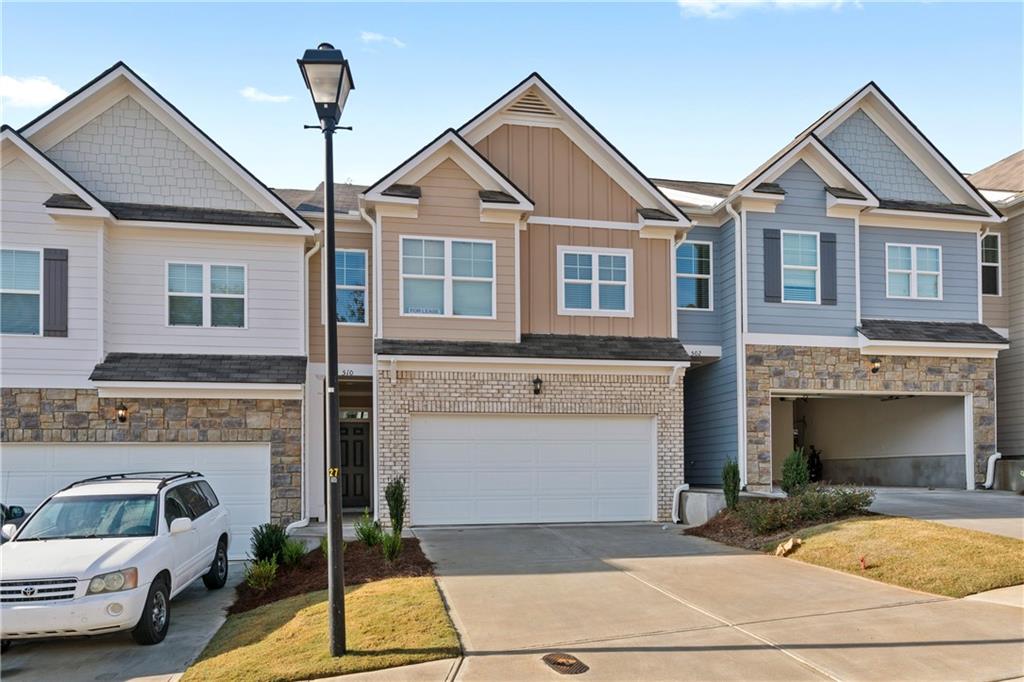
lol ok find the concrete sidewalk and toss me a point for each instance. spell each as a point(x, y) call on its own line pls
point(990, 511)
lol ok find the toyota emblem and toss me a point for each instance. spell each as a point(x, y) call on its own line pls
point(28, 591)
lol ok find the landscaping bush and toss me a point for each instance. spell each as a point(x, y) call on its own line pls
point(325, 547)
point(292, 552)
point(260, 575)
point(391, 546)
point(394, 493)
point(816, 505)
point(268, 542)
point(795, 474)
point(731, 483)
point(368, 531)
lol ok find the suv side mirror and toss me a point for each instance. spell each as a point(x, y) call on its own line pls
point(181, 524)
point(8, 531)
point(15, 512)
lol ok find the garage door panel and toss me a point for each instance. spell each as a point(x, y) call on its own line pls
point(514, 509)
point(621, 481)
point(565, 481)
point(612, 509)
point(566, 509)
point(503, 483)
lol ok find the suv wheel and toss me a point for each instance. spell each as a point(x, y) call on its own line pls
point(156, 615)
point(217, 576)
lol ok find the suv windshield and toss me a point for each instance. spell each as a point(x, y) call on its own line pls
point(92, 516)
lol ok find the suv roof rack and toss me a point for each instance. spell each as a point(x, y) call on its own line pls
point(164, 477)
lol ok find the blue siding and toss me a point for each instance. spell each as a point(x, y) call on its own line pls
point(709, 408)
point(959, 276)
point(802, 209)
point(703, 327)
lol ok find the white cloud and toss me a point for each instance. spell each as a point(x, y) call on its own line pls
point(256, 95)
point(369, 37)
point(34, 91)
point(726, 9)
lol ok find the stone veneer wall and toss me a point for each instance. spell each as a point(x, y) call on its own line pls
point(845, 369)
point(51, 415)
point(476, 392)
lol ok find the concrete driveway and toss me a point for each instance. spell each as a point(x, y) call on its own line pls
point(642, 602)
point(196, 614)
point(991, 511)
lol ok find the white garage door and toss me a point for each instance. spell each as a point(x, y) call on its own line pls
point(239, 473)
point(468, 469)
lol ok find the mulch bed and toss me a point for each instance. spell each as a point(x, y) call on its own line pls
point(362, 565)
point(729, 529)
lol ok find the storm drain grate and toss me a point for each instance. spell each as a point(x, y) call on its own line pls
point(566, 664)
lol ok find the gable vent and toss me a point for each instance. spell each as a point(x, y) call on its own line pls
point(531, 104)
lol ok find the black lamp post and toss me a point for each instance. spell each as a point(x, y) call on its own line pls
point(329, 80)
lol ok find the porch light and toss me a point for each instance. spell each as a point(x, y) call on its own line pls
point(122, 412)
point(876, 364)
point(537, 383)
point(329, 80)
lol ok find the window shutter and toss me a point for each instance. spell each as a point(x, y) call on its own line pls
point(772, 267)
point(828, 268)
point(55, 292)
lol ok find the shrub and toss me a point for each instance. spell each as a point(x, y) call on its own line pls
point(268, 542)
point(815, 505)
point(391, 546)
point(394, 493)
point(325, 547)
point(731, 483)
point(368, 531)
point(260, 575)
point(795, 474)
point(292, 552)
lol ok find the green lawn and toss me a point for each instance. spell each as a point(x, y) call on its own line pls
point(920, 555)
point(392, 622)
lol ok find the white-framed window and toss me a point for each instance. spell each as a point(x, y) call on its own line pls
point(801, 267)
point(446, 277)
point(350, 285)
point(991, 265)
point(206, 295)
point(694, 287)
point(913, 271)
point(21, 292)
point(595, 281)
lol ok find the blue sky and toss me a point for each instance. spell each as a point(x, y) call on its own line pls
point(698, 90)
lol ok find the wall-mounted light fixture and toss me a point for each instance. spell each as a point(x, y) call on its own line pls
point(537, 383)
point(876, 364)
point(122, 412)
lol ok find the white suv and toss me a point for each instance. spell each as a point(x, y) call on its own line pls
point(109, 553)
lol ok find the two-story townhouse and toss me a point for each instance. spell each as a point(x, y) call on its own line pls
point(152, 306)
point(840, 284)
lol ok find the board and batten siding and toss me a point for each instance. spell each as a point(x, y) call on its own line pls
point(996, 309)
point(959, 301)
point(136, 281)
point(1010, 365)
point(803, 209)
point(449, 207)
point(704, 327)
point(355, 343)
point(38, 361)
point(710, 409)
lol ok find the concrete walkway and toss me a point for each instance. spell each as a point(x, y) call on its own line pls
point(640, 602)
point(991, 511)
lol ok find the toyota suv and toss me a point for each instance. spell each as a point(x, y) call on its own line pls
point(109, 553)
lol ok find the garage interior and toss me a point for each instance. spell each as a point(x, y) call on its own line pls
point(874, 440)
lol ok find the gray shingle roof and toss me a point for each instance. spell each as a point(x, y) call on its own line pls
point(1006, 174)
point(243, 369)
point(711, 189)
point(404, 191)
point(557, 346)
point(176, 214)
point(656, 214)
point(72, 201)
point(843, 193)
point(928, 207)
point(939, 332)
point(493, 196)
point(346, 198)
point(770, 188)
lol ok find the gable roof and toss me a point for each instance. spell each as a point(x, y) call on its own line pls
point(1006, 174)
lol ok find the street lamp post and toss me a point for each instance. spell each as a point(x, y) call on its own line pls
point(329, 80)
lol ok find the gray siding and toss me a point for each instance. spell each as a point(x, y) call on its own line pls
point(710, 412)
point(879, 162)
point(704, 326)
point(1010, 366)
point(802, 209)
point(959, 276)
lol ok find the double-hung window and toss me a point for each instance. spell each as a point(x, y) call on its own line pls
point(913, 271)
point(350, 282)
point(991, 266)
point(693, 276)
point(801, 267)
point(206, 295)
point(447, 277)
point(595, 281)
point(21, 288)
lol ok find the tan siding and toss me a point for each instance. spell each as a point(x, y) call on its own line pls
point(355, 344)
point(1010, 367)
point(449, 207)
point(996, 309)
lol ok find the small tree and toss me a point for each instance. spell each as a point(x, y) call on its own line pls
point(795, 474)
point(731, 483)
point(394, 493)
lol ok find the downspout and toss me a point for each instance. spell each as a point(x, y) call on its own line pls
point(990, 471)
point(741, 354)
point(376, 332)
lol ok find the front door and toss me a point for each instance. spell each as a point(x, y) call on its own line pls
point(355, 464)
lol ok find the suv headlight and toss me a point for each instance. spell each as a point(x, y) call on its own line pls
point(117, 581)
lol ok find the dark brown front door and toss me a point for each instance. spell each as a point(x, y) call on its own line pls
point(355, 464)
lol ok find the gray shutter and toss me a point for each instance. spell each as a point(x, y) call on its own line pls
point(828, 268)
point(55, 292)
point(772, 267)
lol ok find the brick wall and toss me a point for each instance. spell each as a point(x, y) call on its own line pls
point(417, 392)
point(48, 415)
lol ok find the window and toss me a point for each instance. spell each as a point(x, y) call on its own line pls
point(990, 266)
point(595, 281)
point(913, 271)
point(194, 499)
point(447, 277)
point(350, 282)
point(21, 286)
point(693, 276)
point(200, 295)
point(800, 267)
